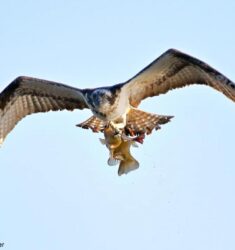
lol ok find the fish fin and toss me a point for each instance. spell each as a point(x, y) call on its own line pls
point(126, 166)
point(134, 144)
point(102, 141)
point(113, 161)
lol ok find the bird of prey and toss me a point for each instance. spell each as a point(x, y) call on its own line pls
point(115, 105)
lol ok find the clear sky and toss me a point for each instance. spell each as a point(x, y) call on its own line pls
point(56, 190)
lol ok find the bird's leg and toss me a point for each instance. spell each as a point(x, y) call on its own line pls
point(116, 128)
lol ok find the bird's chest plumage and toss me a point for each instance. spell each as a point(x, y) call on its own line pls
point(106, 104)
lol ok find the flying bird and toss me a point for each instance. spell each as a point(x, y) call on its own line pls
point(115, 105)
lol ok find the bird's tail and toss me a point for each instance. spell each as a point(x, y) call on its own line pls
point(94, 123)
point(138, 122)
point(141, 122)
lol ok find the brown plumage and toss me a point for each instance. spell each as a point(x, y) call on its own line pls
point(137, 122)
point(173, 69)
point(26, 95)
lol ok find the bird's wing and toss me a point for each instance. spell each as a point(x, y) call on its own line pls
point(171, 70)
point(26, 95)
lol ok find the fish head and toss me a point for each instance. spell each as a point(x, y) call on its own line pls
point(112, 138)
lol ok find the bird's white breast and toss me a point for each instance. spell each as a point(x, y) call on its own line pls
point(122, 104)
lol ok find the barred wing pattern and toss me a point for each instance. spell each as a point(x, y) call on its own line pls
point(93, 123)
point(172, 70)
point(27, 95)
point(138, 122)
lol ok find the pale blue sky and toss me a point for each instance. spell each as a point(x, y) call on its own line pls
point(56, 190)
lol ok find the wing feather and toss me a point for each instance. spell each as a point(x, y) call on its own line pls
point(172, 70)
point(26, 95)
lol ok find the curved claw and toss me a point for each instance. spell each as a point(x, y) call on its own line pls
point(140, 138)
point(116, 129)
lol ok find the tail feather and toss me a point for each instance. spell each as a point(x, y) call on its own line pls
point(138, 122)
point(94, 123)
point(141, 122)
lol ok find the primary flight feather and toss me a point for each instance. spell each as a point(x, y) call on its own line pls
point(114, 105)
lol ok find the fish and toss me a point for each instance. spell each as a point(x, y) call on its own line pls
point(119, 149)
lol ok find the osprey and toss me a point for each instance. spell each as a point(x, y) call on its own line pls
point(114, 105)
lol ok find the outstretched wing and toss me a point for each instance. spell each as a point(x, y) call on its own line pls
point(27, 95)
point(174, 69)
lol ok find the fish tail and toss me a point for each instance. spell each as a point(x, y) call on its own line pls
point(127, 165)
